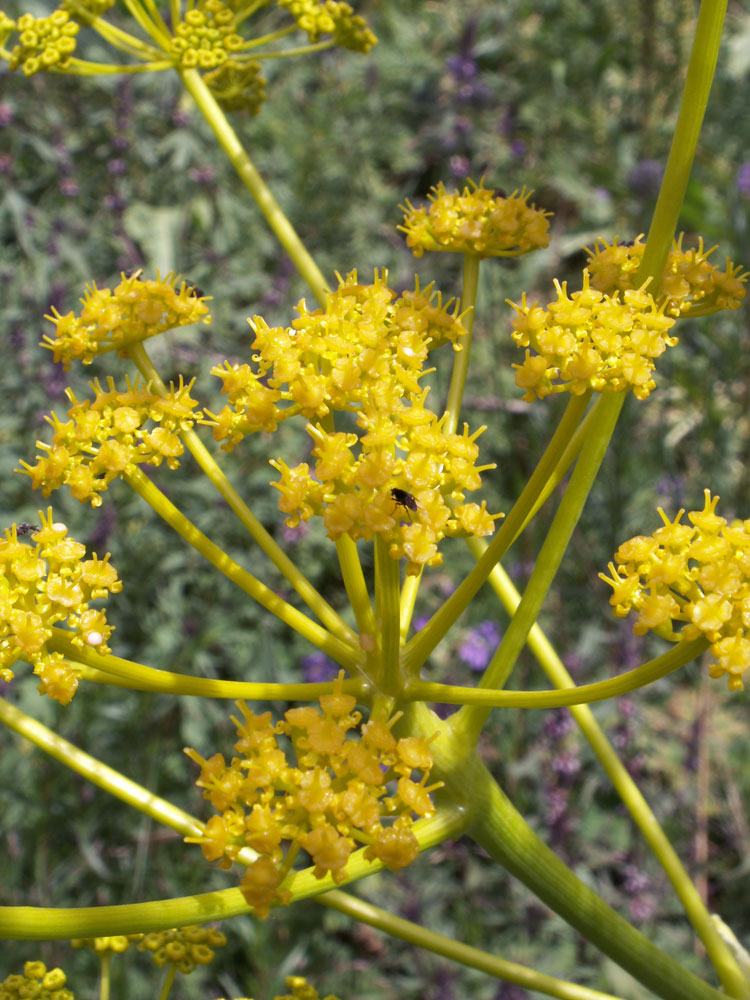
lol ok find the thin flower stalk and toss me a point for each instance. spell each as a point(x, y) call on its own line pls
point(387, 597)
point(356, 588)
point(341, 653)
point(461, 358)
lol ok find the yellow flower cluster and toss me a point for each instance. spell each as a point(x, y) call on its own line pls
point(238, 86)
point(207, 35)
point(331, 17)
point(116, 944)
point(42, 585)
point(36, 982)
point(44, 42)
point(115, 320)
point(476, 220)
point(690, 286)
point(185, 948)
point(699, 575)
point(301, 990)
point(590, 340)
point(104, 437)
point(364, 354)
point(335, 798)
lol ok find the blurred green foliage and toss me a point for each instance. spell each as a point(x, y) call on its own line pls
point(575, 100)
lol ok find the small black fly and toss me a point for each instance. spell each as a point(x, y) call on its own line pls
point(24, 528)
point(403, 499)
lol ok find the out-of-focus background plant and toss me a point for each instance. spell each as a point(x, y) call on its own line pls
point(576, 100)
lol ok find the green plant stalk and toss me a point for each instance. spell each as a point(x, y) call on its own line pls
point(106, 979)
point(418, 649)
point(700, 73)
point(719, 954)
point(473, 958)
point(409, 592)
point(291, 572)
point(355, 585)
point(110, 669)
point(310, 630)
point(387, 618)
point(632, 680)
point(280, 225)
point(167, 987)
point(139, 15)
point(472, 718)
point(461, 358)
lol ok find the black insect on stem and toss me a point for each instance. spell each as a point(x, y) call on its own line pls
point(403, 499)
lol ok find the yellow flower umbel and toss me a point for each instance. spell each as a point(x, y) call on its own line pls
point(184, 948)
point(342, 793)
point(119, 319)
point(116, 943)
point(104, 438)
point(301, 990)
point(331, 17)
point(44, 42)
point(476, 221)
point(36, 982)
point(43, 584)
point(399, 475)
point(698, 575)
point(691, 286)
point(591, 340)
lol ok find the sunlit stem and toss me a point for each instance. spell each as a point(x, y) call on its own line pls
point(252, 180)
point(81, 67)
point(356, 586)
point(301, 50)
point(167, 987)
point(329, 644)
point(387, 617)
point(114, 670)
point(684, 141)
point(632, 680)
point(314, 600)
point(419, 648)
point(409, 591)
point(461, 358)
point(721, 957)
point(158, 32)
point(175, 13)
point(153, 12)
point(114, 36)
point(272, 36)
point(471, 718)
point(472, 958)
point(105, 975)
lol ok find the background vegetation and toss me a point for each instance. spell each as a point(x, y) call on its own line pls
point(575, 100)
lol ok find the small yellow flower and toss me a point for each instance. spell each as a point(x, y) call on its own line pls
point(104, 437)
point(691, 285)
point(332, 799)
point(116, 320)
point(476, 220)
point(36, 982)
point(45, 43)
point(698, 576)
point(43, 585)
point(116, 944)
point(590, 340)
point(184, 948)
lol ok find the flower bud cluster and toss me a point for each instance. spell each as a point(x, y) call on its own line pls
point(207, 35)
point(116, 320)
point(44, 43)
point(698, 575)
point(238, 86)
point(301, 990)
point(476, 220)
point(691, 286)
point(185, 948)
point(331, 17)
point(105, 437)
point(335, 797)
point(364, 354)
point(44, 584)
point(36, 982)
point(590, 340)
point(115, 944)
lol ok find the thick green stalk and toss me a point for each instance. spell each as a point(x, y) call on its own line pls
point(461, 358)
point(387, 617)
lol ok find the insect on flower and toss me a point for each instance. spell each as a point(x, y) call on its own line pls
point(403, 499)
point(24, 528)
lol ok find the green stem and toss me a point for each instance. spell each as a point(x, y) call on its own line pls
point(337, 650)
point(418, 649)
point(106, 981)
point(417, 935)
point(387, 617)
point(647, 673)
point(461, 358)
point(471, 718)
point(356, 586)
point(685, 139)
point(252, 180)
point(167, 987)
point(315, 601)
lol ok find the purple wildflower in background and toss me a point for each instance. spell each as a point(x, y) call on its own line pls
point(743, 179)
point(7, 113)
point(479, 645)
point(645, 178)
point(318, 668)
